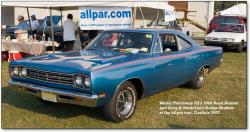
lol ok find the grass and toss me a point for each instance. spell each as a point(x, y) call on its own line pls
point(226, 83)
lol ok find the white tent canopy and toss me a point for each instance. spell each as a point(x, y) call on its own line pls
point(236, 10)
point(76, 4)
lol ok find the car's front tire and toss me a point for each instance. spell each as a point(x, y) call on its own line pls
point(240, 47)
point(122, 105)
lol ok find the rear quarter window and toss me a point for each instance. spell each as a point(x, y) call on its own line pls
point(182, 43)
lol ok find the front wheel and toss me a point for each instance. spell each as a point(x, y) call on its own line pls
point(122, 105)
point(241, 47)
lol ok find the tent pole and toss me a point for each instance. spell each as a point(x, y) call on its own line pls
point(142, 16)
point(52, 29)
point(29, 21)
point(61, 15)
point(134, 17)
point(157, 17)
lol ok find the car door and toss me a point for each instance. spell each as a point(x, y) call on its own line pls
point(171, 67)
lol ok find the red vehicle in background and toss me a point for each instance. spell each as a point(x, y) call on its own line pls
point(217, 20)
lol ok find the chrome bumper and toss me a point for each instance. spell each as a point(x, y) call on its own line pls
point(62, 96)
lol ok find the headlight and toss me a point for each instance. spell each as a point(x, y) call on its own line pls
point(87, 81)
point(24, 72)
point(230, 40)
point(16, 70)
point(78, 80)
point(82, 81)
point(207, 38)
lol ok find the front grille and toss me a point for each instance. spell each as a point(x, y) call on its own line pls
point(55, 77)
point(223, 39)
point(215, 39)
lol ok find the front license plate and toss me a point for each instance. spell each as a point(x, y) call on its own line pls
point(48, 96)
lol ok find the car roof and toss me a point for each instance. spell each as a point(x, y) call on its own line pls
point(232, 24)
point(146, 30)
point(159, 31)
point(229, 16)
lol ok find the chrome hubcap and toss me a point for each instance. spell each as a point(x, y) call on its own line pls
point(201, 79)
point(124, 102)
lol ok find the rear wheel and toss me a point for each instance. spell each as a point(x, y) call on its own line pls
point(122, 105)
point(198, 81)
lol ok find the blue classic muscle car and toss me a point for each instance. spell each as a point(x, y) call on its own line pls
point(116, 69)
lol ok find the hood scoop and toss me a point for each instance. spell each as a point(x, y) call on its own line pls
point(47, 57)
point(101, 57)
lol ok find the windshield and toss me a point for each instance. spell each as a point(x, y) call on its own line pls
point(127, 42)
point(230, 28)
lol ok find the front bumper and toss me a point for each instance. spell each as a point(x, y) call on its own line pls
point(222, 44)
point(62, 96)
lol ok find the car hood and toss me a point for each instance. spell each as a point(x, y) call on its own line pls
point(77, 62)
point(224, 34)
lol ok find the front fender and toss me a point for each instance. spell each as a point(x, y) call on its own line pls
point(107, 80)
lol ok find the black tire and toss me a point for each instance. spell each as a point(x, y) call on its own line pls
point(241, 47)
point(199, 79)
point(113, 110)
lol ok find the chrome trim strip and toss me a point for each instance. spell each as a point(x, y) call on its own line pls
point(85, 99)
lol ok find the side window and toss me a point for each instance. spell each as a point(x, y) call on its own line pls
point(169, 42)
point(182, 43)
point(125, 41)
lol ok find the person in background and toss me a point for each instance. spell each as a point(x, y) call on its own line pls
point(22, 25)
point(69, 36)
point(34, 24)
